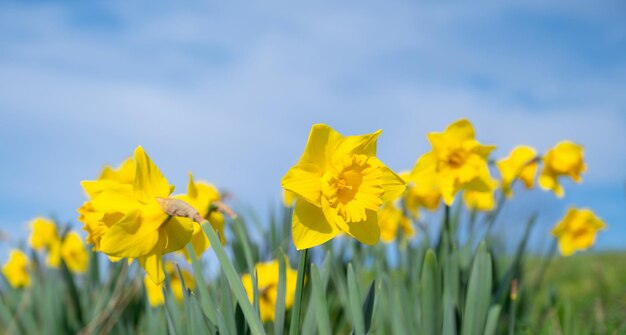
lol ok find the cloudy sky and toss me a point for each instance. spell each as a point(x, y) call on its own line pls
point(230, 90)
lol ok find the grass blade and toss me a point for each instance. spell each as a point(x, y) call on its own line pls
point(234, 281)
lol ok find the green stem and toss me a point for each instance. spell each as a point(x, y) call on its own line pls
point(297, 303)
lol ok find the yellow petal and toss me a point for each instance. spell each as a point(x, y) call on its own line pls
point(321, 144)
point(367, 232)
point(357, 145)
point(154, 292)
point(130, 238)
point(310, 227)
point(153, 265)
point(305, 180)
point(393, 184)
point(178, 231)
point(149, 181)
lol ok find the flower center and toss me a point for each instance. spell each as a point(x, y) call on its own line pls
point(354, 185)
point(456, 158)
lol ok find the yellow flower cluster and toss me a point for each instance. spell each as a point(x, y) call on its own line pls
point(124, 217)
point(16, 269)
point(69, 248)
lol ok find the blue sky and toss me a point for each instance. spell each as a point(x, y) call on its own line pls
point(230, 90)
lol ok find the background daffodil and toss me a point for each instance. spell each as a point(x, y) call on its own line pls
point(16, 269)
point(340, 185)
point(577, 230)
point(134, 224)
point(43, 233)
point(457, 160)
point(391, 221)
point(520, 164)
point(267, 279)
point(565, 159)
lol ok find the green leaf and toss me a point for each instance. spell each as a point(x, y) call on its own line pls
point(431, 320)
point(321, 308)
point(303, 260)
point(234, 281)
point(208, 305)
point(355, 302)
point(368, 306)
point(478, 296)
point(281, 290)
point(492, 320)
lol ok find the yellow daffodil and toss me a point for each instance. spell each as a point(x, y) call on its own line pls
point(73, 253)
point(155, 291)
point(44, 233)
point(340, 186)
point(267, 279)
point(457, 161)
point(202, 196)
point(577, 230)
point(391, 220)
point(15, 270)
point(481, 201)
point(565, 159)
point(422, 188)
point(71, 250)
point(520, 164)
point(133, 223)
point(88, 215)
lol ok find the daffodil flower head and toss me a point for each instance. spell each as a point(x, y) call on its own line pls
point(459, 161)
point(16, 269)
point(577, 230)
point(481, 201)
point(520, 164)
point(391, 221)
point(267, 279)
point(73, 253)
point(134, 223)
point(202, 196)
point(423, 190)
point(340, 186)
point(44, 233)
point(565, 159)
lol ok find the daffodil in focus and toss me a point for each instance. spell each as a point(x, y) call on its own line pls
point(391, 221)
point(202, 196)
point(43, 233)
point(340, 185)
point(155, 291)
point(133, 224)
point(457, 161)
point(267, 279)
point(565, 159)
point(520, 164)
point(15, 270)
point(481, 201)
point(109, 178)
point(577, 230)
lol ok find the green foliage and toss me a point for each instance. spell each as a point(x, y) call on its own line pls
point(453, 287)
